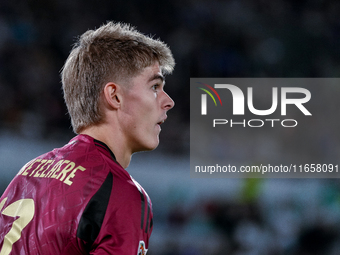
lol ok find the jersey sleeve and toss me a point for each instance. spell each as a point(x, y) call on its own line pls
point(117, 219)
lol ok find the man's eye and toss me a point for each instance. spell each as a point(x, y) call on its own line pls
point(155, 87)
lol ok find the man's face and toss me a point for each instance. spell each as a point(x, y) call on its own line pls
point(144, 108)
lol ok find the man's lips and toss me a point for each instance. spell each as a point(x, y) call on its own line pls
point(162, 121)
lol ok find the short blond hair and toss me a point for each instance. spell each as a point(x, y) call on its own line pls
point(113, 52)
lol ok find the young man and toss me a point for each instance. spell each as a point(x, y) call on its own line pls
point(79, 199)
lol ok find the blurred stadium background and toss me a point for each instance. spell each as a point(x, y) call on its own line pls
point(245, 38)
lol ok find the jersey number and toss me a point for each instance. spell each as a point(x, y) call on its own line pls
point(24, 209)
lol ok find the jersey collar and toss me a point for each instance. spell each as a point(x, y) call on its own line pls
point(105, 147)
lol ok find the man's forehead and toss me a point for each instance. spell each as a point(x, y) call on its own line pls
point(157, 76)
point(147, 75)
point(153, 73)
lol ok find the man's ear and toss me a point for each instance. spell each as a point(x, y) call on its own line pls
point(113, 95)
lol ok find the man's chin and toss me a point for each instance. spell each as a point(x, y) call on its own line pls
point(149, 147)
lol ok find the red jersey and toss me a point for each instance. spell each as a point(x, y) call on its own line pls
point(75, 200)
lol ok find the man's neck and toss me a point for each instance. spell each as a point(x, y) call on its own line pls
point(112, 140)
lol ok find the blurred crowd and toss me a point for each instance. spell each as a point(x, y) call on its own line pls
point(216, 38)
point(266, 217)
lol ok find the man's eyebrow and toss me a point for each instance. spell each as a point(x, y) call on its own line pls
point(156, 77)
